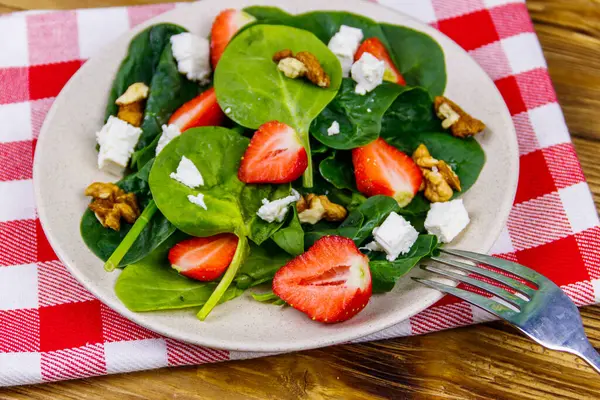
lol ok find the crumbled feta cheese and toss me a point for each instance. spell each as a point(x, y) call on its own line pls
point(344, 44)
point(169, 133)
point(446, 220)
point(372, 246)
point(367, 72)
point(193, 56)
point(197, 200)
point(334, 129)
point(369, 110)
point(117, 139)
point(276, 210)
point(227, 110)
point(187, 173)
point(396, 236)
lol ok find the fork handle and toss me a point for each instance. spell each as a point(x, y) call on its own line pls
point(584, 349)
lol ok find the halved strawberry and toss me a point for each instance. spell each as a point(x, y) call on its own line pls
point(202, 110)
point(275, 155)
point(225, 26)
point(204, 259)
point(378, 50)
point(330, 282)
point(380, 168)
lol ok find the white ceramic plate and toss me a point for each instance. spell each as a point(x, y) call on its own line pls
point(65, 163)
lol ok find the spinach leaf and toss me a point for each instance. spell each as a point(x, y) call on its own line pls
point(419, 57)
point(248, 81)
point(169, 90)
point(251, 200)
point(338, 170)
point(262, 13)
point(359, 224)
point(359, 116)
point(412, 111)
point(268, 297)
point(385, 274)
point(141, 61)
point(103, 241)
point(261, 265)
point(151, 284)
point(291, 237)
point(465, 156)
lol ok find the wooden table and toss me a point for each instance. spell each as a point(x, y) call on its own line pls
point(490, 361)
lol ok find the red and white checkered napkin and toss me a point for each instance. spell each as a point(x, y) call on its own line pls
point(51, 328)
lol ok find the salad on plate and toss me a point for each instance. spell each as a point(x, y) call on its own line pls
point(311, 159)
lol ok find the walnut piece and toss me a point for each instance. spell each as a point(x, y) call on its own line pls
point(311, 67)
point(134, 94)
point(111, 204)
point(438, 177)
point(292, 68)
point(131, 104)
point(460, 123)
point(313, 208)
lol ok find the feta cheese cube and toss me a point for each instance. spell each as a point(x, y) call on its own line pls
point(446, 220)
point(276, 210)
point(344, 44)
point(188, 174)
point(334, 129)
point(168, 133)
point(197, 200)
point(193, 56)
point(367, 72)
point(396, 236)
point(117, 139)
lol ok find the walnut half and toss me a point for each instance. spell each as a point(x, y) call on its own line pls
point(131, 104)
point(313, 208)
point(302, 64)
point(460, 123)
point(439, 179)
point(111, 204)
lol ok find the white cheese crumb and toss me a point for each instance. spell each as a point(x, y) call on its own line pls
point(334, 129)
point(372, 246)
point(197, 200)
point(193, 56)
point(446, 220)
point(188, 174)
point(169, 133)
point(117, 139)
point(227, 110)
point(396, 236)
point(369, 110)
point(276, 210)
point(344, 44)
point(367, 72)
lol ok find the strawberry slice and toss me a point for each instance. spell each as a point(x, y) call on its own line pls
point(330, 282)
point(202, 110)
point(225, 26)
point(204, 259)
point(275, 155)
point(380, 168)
point(378, 50)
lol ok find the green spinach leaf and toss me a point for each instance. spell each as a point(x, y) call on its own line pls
point(385, 274)
point(141, 61)
point(251, 200)
point(338, 170)
point(465, 156)
point(359, 116)
point(419, 57)
point(412, 111)
point(269, 298)
point(261, 265)
point(248, 81)
point(291, 237)
point(151, 284)
point(359, 224)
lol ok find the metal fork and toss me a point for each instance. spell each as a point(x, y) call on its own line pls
point(545, 314)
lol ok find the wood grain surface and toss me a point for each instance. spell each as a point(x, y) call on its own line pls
point(490, 361)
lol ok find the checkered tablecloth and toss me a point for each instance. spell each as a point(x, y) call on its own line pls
point(51, 328)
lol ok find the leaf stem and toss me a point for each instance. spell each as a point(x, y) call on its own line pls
point(307, 177)
point(117, 256)
point(238, 259)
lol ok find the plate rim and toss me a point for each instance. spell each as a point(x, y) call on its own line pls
point(234, 345)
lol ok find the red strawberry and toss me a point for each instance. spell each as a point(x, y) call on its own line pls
point(330, 282)
point(275, 155)
point(226, 25)
point(378, 50)
point(202, 110)
point(204, 259)
point(381, 168)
